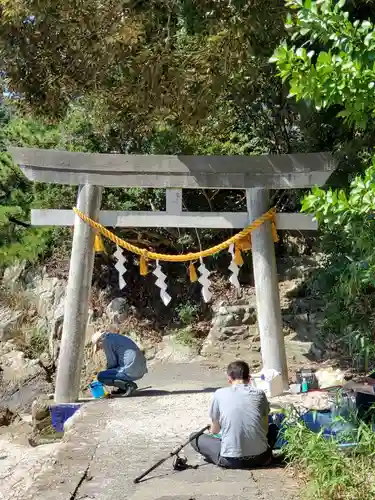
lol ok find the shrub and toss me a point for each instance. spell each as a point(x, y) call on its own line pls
point(187, 313)
point(329, 473)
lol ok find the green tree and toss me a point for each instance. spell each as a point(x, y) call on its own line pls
point(17, 194)
point(138, 65)
point(330, 63)
point(166, 76)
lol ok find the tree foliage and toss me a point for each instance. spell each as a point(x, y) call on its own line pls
point(138, 64)
point(342, 71)
point(330, 62)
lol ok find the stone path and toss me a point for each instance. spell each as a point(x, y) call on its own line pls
point(111, 442)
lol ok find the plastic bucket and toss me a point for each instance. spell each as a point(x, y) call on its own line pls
point(97, 390)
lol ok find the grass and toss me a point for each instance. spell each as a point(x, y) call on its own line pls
point(15, 300)
point(185, 336)
point(37, 343)
point(31, 340)
point(187, 313)
point(329, 473)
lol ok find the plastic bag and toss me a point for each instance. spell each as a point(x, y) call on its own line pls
point(329, 377)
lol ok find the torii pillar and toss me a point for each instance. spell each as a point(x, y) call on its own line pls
point(266, 286)
point(77, 298)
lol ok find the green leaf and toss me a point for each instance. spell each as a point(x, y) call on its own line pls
point(368, 38)
point(366, 24)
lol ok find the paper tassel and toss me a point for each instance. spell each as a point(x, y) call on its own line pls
point(274, 231)
point(120, 267)
point(98, 244)
point(204, 281)
point(238, 256)
point(160, 282)
point(244, 244)
point(143, 267)
point(234, 269)
point(192, 273)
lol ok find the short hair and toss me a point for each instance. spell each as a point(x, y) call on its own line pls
point(238, 370)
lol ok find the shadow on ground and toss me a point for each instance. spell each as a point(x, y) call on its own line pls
point(277, 463)
point(159, 392)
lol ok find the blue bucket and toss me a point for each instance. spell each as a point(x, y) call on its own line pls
point(97, 390)
point(60, 414)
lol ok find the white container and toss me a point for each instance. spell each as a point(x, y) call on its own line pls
point(295, 388)
point(269, 381)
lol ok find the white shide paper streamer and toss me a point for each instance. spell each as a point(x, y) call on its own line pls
point(120, 267)
point(160, 282)
point(204, 281)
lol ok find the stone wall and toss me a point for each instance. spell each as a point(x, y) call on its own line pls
point(234, 332)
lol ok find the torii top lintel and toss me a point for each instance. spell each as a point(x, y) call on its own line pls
point(165, 171)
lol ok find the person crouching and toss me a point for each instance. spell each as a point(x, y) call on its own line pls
point(126, 363)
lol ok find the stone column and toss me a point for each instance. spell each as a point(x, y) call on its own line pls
point(266, 286)
point(77, 298)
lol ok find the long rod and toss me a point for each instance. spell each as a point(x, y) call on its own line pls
point(172, 454)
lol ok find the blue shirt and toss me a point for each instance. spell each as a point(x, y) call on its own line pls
point(124, 354)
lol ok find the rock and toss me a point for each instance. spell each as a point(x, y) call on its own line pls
point(39, 410)
point(19, 397)
point(15, 366)
point(42, 429)
point(316, 352)
point(6, 417)
point(22, 379)
point(229, 336)
point(49, 294)
point(55, 332)
point(10, 321)
point(117, 310)
point(12, 275)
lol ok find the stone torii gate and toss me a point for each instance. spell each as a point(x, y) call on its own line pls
point(91, 172)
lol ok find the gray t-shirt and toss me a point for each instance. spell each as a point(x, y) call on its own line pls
point(241, 412)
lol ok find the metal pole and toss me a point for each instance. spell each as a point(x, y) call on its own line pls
point(77, 298)
point(266, 286)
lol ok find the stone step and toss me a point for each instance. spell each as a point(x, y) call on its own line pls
point(236, 309)
point(234, 319)
point(242, 332)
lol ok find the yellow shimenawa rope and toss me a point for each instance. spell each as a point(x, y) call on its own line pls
point(270, 215)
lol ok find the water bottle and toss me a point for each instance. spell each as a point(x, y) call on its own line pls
point(305, 385)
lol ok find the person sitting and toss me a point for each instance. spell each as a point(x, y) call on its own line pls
point(126, 363)
point(240, 414)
